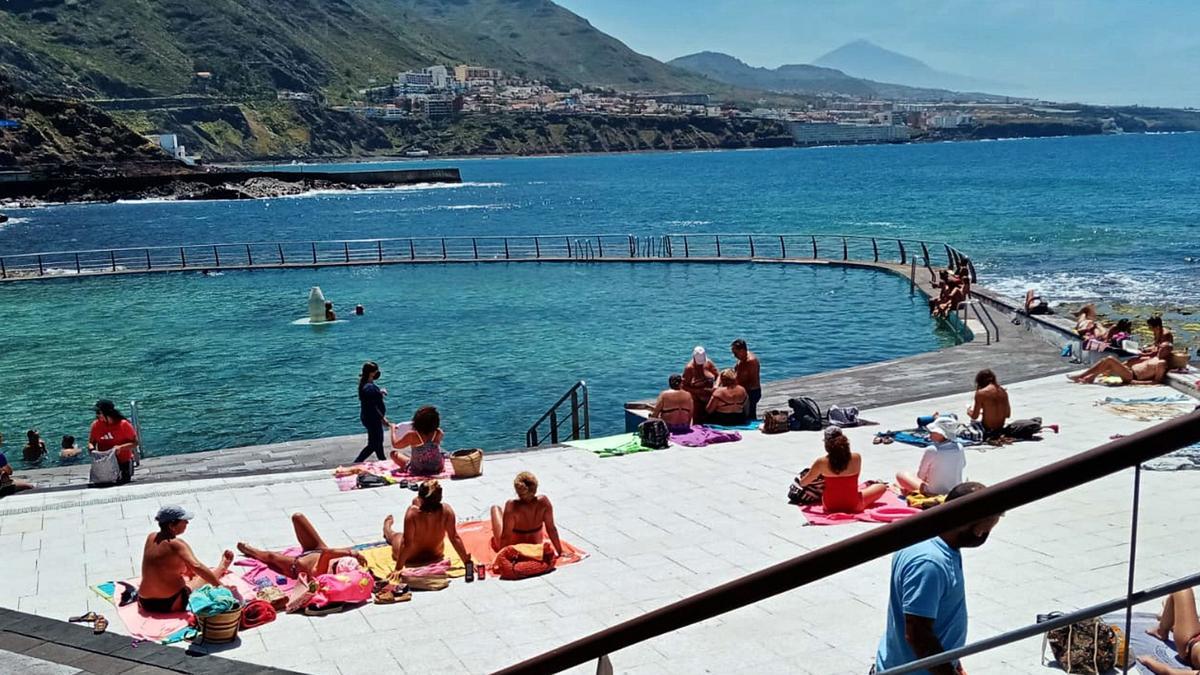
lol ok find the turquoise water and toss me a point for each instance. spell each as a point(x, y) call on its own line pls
point(217, 362)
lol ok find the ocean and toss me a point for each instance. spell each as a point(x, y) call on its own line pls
point(216, 361)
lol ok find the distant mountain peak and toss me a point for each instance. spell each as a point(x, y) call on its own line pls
point(865, 59)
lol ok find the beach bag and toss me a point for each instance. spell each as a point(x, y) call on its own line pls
point(808, 494)
point(431, 582)
point(274, 597)
point(369, 480)
point(467, 463)
point(522, 561)
point(654, 434)
point(843, 417)
point(300, 595)
point(105, 470)
point(257, 613)
point(1023, 429)
point(1178, 361)
point(1088, 647)
point(775, 422)
point(350, 587)
point(806, 414)
point(219, 628)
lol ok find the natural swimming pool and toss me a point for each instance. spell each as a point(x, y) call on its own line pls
point(216, 361)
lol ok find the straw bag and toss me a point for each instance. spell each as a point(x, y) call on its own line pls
point(467, 463)
point(219, 628)
point(1177, 360)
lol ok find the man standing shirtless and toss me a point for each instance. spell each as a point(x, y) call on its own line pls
point(427, 524)
point(747, 369)
point(170, 571)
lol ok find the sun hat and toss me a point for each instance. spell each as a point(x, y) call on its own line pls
point(699, 355)
point(946, 426)
point(173, 513)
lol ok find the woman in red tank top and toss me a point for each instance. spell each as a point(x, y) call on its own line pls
point(840, 468)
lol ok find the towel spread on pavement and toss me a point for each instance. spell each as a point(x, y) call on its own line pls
point(611, 446)
point(748, 426)
point(1148, 408)
point(346, 477)
point(700, 436)
point(1141, 644)
point(160, 628)
point(889, 508)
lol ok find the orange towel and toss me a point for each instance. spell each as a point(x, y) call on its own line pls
point(477, 537)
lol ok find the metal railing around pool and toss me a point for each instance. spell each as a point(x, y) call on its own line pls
point(577, 413)
point(566, 247)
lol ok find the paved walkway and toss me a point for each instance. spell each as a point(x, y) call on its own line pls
point(659, 526)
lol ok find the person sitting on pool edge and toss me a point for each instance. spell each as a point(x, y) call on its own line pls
point(942, 464)
point(1178, 620)
point(330, 315)
point(727, 407)
point(522, 519)
point(1138, 370)
point(428, 523)
point(170, 571)
point(841, 469)
point(425, 439)
point(315, 558)
point(674, 406)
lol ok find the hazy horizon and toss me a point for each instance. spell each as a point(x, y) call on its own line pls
point(1117, 52)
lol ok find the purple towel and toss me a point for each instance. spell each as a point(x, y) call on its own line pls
point(700, 436)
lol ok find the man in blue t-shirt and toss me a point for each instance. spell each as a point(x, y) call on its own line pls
point(927, 606)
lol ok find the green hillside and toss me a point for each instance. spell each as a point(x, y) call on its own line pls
point(133, 48)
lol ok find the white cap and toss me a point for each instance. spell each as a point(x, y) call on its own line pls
point(699, 356)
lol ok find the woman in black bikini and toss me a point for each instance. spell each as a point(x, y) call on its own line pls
point(674, 406)
point(727, 406)
point(523, 518)
point(316, 556)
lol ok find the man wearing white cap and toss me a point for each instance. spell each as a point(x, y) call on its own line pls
point(942, 464)
point(170, 571)
point(699, 380)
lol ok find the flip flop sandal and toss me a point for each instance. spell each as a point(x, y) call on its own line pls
point(84, 618)
point(878, 440)
point(888, 440)
point(101, 625)
point(331, 608)
point(393, 595)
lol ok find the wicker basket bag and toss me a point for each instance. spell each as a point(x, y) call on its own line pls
point(219, 628)
point(467, 463)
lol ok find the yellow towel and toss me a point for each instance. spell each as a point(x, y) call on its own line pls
point(380, 563)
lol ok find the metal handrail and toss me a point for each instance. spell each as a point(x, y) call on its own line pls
point(580, 428)
point(1085, 467)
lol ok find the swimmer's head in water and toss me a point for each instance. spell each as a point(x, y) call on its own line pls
point(675, 381)
point(358, 309)
point(328, 305)
point(33, 436)
point(68, 442)
point(426, 420)
point(526, 485)
point(728, 377)
point(431, 495)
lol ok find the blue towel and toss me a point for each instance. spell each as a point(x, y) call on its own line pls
point(1173, 398)
point(748, 426)
point(210, 601)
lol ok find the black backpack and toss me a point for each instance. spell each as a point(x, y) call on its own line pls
point(654, 434)
point(806, 414)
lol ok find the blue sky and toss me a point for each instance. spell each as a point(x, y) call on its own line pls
point(1101, 51)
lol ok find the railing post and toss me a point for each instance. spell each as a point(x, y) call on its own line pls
point(314, 252)
point(875, 248)
point(537, 248)
point(41, 270)
point(443, 248)
point(751, 238)
point(346, 248)
point(845, 251)
point(112, 258)
point(569, 255)
point(953, 260)
point(600, 246)
point(587, 415)
point(1133, 528)
point(782, 248)
point(686, 253)
point(249, 257)
point(182, 257)
point(77, 268)
point(216, 256)
point(379, 250)
point(574, 414)
point(903, 259)
point(282, 261)
point(412, 250)
point(925, 253)
point(506, 248)
point(718, 238)
point(814, 245)
point(3, 270)
point(475, 247)
point(912, 278)
point(632, 247)
point(554, 425)
point(148, 265)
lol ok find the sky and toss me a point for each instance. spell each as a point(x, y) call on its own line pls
point(1143, 52)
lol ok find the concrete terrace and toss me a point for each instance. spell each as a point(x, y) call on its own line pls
point(659, 526)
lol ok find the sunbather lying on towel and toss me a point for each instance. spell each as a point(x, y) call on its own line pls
point(316, 557)
point(170, 571)
point(1178, 618)
point(427, 524)
point(522, 519)
point(1137, 370)
point(941, 465)
point(841, 469)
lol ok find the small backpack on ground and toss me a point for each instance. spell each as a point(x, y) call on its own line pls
point(1087, 647)
point(775, 422)
point(809, 494)
point(1023, 429)
point(806, 414)
point(843, 417)
point(654, 434)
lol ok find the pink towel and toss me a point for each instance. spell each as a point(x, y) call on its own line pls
point(165, 628)
point(255, 570)
point(701, 436)
point(385, 468)
point(887, 509)
point(431, 570)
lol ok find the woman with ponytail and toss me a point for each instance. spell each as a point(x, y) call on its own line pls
point(372, 411)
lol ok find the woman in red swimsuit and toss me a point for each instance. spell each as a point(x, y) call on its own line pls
point(841, 468)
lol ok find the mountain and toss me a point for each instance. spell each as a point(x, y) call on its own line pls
point(868, 60)
point(140, 48)
point(807, 79)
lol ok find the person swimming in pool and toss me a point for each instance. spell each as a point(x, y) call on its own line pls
point(170, 571)
point(428, 523)
point(1178, 619)
point(674, 406)
point(316, 557)
point(523, 519)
